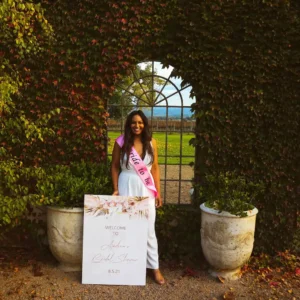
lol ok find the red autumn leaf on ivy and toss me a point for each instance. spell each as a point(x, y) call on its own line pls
point(274, 284)
point(269, 277)
point(94, 42)
point(297, 271)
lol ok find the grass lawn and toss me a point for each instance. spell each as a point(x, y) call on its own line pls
point(172, 149)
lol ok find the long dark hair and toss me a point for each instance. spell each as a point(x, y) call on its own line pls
point(129, 135)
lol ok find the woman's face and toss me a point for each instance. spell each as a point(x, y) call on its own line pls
point(137, 125)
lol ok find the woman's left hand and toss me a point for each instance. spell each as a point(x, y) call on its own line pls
point(158, 202)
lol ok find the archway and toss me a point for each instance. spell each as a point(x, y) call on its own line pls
point(166, 102)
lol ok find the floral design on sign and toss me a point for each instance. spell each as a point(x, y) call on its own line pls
point(97, 206)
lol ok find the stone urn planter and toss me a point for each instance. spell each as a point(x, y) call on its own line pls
point(65, 233)
point(227, 241)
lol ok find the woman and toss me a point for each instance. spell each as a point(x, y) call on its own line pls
point(137, 141)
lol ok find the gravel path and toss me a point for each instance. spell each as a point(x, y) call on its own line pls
point(170, 190)
point(28, 275)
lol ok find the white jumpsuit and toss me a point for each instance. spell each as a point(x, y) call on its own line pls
point(130, 184)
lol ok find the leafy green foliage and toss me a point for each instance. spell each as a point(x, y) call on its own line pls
point(242, 60)
point(18, 191)
point(228, 192)
point(20, 21)
point(65, 186)
point(25, 187)
point(24, 32)
point(22, 28)
point(177, 230)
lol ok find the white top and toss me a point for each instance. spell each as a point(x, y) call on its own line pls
point(129, 183)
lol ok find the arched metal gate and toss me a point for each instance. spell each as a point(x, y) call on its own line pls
point(167, 104)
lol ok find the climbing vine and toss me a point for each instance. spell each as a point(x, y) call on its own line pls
point(241, 57)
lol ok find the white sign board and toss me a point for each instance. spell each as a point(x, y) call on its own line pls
point(115, 240)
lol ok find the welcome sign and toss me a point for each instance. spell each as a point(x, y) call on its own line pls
point(115, 240)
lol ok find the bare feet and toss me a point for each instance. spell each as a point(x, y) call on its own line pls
point(158, 278)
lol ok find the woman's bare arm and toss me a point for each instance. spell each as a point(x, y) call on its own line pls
point(115, 168)
point(156, 175)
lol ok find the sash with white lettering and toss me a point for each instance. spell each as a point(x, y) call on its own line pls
point(139, 166)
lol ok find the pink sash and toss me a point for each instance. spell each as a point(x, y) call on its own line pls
point(139, 166)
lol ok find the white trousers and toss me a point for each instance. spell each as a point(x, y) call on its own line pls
point(130, 185)
point(152, 247)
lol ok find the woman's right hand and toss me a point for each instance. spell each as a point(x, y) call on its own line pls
point(115, 193)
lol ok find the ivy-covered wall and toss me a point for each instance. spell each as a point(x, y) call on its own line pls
point(241, 57)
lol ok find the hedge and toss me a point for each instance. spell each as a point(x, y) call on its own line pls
point(241, 58)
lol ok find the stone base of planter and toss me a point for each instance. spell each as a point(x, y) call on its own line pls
point(66, 267)
point(226, 274)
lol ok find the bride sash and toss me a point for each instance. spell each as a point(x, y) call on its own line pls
point(139, 166)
